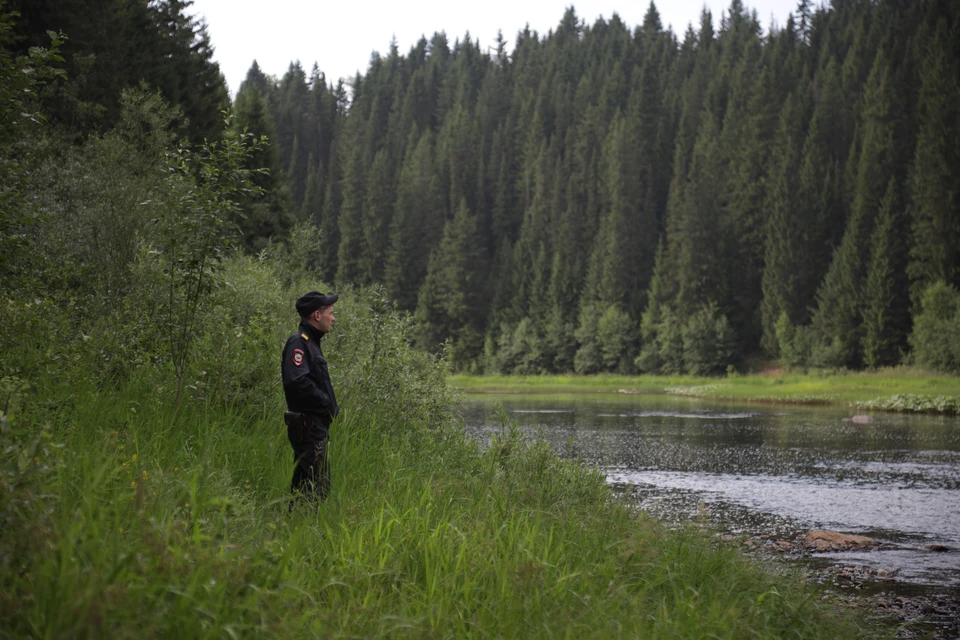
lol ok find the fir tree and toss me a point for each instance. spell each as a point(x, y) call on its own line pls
point(935, 251)
point(416, 227)
point(350, 253)
point(886, 317)
point(839, 314)
point(268, 214)
point(377, 214)
point(451, 302)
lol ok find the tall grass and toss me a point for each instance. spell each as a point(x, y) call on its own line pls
point(124, 517)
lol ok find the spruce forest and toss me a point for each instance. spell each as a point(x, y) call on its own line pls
point(603, 197)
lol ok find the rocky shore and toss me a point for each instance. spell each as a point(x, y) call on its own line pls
point(877, 592)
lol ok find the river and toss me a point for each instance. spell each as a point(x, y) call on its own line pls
point(774, 471)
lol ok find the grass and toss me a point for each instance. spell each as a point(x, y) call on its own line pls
point(123, 517)
point(809, 388)
point(149, 524)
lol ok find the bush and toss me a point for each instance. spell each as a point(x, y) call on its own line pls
point(588, 358)
point(936, 329)
point(615, 335)
point(707, 343)
point(797, 344)
point(703, 345)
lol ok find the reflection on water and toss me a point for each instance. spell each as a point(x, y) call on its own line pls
point(762, 469)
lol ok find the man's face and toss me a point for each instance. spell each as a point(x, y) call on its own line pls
point(324, 318)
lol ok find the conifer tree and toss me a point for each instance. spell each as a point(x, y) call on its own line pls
point(451, 302)
point(628, 235)
point(839, 313)
point(589, 146)
point(699, 243)
point(350, 252)
point(784, 248)
point(312, 209)
point(935, 251)
point(417, 225)
point(267, 214)
point(293, 131)
point(886, 317)
point(377, 214)
point(747, 207)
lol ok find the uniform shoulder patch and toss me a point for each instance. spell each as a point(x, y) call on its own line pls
point(298, 357)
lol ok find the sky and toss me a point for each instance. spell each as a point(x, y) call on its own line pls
point(340, 36)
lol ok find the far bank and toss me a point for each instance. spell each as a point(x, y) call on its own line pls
point(899, 389)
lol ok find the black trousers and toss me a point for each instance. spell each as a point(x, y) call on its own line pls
point(311, 473)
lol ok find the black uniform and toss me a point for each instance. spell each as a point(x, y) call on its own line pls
point(307, 387)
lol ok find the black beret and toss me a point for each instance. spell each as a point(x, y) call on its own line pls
point(310, 302)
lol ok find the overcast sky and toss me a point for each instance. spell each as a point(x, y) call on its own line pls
point(340, 36)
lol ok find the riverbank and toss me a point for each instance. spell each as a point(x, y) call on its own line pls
point(156, 524)
point(126, 515)
point(764, 477)
point(900, 389)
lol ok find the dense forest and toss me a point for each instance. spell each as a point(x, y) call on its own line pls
point(601, 197)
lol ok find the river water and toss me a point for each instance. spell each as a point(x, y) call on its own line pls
point(770, 470)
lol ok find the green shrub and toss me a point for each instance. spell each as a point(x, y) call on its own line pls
point(914, 403)
point(797, 343)
point(615, 335)
point(670, 346)
point(708, 342)
point(703, 345)
point(589, 357)
point(936, 329)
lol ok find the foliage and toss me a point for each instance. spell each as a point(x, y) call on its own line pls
point(913, 403)
point(21, 78)
point(115, 46)
point(153, 502)
point(707, 343)
point(703, 345)
point(757, 163)
point(615, 336)
point(599, 165)
point(93, 200)
point(797, 344)
point(936, 331)
point(144, 468)
point(193, 235)
point(813, 386)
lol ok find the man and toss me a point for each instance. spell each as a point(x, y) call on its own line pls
point(311, 403)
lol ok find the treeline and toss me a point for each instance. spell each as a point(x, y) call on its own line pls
point(602, 198)
point(607, 198)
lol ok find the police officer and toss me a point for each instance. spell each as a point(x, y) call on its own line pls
point(311, 403)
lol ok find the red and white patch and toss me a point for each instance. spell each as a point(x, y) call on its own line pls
point(297, 357)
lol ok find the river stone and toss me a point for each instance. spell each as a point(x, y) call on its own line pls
point(823, 540)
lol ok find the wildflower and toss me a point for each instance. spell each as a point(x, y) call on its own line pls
point(176, 468)
point(133, 484)
point(186, 505)
point(133, 457)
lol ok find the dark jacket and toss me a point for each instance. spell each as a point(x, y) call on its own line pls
point(306, 379)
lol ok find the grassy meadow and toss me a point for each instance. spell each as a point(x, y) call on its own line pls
point(900, 389)
point(125, 515)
